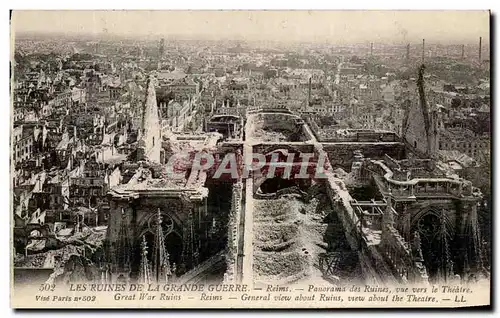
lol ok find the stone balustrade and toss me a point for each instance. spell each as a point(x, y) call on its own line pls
point(419, 186)
point(398, 254)
point(233, 233)
point(369, 214)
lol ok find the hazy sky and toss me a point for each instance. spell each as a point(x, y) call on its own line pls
point(335, 26)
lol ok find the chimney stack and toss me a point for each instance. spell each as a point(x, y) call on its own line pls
point(371, 49)
point(423, 51)
point(480, 43)
point(309, 92)
point(463, 51)
point(408, 53)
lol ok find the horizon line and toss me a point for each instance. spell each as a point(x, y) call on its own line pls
point(248, 38)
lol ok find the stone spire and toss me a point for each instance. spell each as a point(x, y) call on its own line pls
point(145, 270)
point(161, 264)
point(150, 140)
point(420, 124)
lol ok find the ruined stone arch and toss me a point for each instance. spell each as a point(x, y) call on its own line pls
point(148, 224)
point(172, 240)
point(436, 226)
point(409, 222)
point(260, 178)
point(291, 149)
point(449, 217)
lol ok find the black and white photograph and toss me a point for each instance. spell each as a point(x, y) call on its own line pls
point(250, 159)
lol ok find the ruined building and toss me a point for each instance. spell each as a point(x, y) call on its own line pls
point(385, 211)
point(159, 225)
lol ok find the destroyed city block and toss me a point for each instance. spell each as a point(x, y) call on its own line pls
point(107, 185)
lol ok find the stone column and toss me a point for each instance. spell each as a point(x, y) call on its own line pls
point(192, 246)
point(357, 165)
point(387, 218)
point(133, 219)
point(203, 222)
point(199, 229)
point(187, 242)
point(478, 262)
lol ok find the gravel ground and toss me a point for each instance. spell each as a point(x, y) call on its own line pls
point(288, 235)
point(291, 237)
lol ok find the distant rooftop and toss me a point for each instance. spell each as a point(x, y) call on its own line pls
point(170, 76)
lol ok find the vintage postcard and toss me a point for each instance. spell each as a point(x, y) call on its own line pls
point(250, 159)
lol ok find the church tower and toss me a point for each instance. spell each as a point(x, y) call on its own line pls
point(149, 145)
point(421, 123)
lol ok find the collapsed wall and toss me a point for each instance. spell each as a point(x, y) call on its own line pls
point(77, 258)
point(341, 154)
point(276, 127)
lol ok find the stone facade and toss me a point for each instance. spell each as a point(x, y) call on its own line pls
point(184, 215)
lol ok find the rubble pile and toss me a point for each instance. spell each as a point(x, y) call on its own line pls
point(280, 267)
point(273, 210)
point(277, 254)
point(276, 237)
point(73, 258)
point(74, 266)
point(36, 260)
point(292, 237)
point(93, 237)
point(269, 136)
point(78, 260)
point(288, 235)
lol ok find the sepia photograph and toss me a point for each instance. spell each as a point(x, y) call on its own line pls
point(250, 159)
